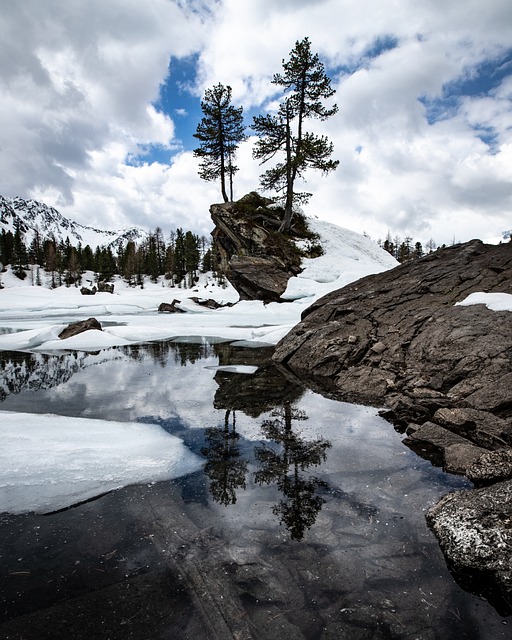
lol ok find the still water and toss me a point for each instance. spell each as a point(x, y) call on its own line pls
point(306, 518)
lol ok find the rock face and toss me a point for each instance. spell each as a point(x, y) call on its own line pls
point(256, 259)
point(444, 374)
point(79, 327)
point(397, 339)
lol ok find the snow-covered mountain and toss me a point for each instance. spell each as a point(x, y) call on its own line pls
point(32, 215)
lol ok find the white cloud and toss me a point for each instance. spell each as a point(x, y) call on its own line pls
point(78, 80)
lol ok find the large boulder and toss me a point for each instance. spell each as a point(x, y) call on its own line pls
point(474, 530)
point(443, 372)
point(256, 259)
point(398, 340)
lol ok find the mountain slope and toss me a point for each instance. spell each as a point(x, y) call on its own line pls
point(31, 215)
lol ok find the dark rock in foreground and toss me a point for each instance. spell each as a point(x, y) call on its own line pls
point(79, 327)
point(397, 339)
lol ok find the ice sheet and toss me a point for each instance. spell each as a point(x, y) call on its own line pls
point(49, 462)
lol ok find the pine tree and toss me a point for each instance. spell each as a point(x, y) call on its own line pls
point(192, 256)
point(19, 255)
point(179, 255)
point(220, 132)
point(306, 86)
point(6, 247)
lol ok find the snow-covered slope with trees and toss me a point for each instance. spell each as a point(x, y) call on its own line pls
point(37, 314)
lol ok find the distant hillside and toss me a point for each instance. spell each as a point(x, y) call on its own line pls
point(32, 215)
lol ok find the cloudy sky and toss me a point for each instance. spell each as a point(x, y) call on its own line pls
point(100, 101)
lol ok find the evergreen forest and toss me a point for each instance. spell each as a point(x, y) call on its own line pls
point(179, 258)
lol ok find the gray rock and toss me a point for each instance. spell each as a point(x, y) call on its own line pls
point(397, 339)
point(444, 374)
point(105, 287)
point(79, 327)
point(491, 467)
point(443, 447)
point(85, 291)
point(474, 530)
point(166, 307)
point(209, 303)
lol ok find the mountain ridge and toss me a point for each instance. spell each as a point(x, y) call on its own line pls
point(33, 216)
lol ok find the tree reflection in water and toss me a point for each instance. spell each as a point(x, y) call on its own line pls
point(301, 504)
point(224, 466)
point(283, 466)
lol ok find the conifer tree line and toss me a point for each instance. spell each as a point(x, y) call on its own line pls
point(406, 249)
point(180, 258)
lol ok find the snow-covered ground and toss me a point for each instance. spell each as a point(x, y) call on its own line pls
point(493, 301)
point(35, 316)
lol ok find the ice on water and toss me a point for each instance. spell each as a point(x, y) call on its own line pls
point(48, 462)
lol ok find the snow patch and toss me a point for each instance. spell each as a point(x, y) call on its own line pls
point(493, 301)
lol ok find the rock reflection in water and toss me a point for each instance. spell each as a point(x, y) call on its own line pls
point(283, 460)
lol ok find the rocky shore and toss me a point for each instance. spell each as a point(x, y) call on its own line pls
point(442, 373)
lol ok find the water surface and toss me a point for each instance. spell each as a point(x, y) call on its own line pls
point(305, 520)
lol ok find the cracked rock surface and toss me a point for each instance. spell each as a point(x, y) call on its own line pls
point(398, 339)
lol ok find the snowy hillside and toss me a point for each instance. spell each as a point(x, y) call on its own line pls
point(347, 256)
point(32, 216)
point(36, 315)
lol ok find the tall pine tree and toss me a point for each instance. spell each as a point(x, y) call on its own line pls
point(305, 87)
point(220, 132)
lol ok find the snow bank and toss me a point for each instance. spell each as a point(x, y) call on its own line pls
point(49, 462)
point(347, 257)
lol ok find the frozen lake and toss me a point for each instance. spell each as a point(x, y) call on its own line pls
point(186, 489)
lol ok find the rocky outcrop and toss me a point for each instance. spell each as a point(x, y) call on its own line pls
point(256, 259)
point(398, 339)
point(79, 327)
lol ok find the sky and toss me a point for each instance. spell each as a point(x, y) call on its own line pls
point(100, 101)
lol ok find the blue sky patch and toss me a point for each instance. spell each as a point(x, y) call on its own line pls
point(478, 81)
point(178, 101)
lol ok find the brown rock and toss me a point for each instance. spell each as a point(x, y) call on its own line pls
point(79, 327)
point(256, 259)
point(166, 307)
